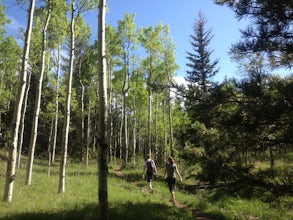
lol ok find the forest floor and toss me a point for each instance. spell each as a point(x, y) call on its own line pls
point(196, 214)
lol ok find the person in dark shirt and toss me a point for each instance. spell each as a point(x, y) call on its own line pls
point(170, 175)
point(149, 169)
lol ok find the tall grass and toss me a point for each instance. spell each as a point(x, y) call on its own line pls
point(128, 198)
point(41, 200)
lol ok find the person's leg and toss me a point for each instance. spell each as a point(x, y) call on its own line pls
point(149, 179)
point(172, 191)
point(173, 197)
point(170, 182)
point(150, 187)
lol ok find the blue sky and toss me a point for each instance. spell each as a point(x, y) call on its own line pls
point(179, 15)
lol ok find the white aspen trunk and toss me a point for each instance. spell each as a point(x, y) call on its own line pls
point(50, 148)
point(56, 105)
point(20, 141)
point(120, 140)
point(165, 130)
point(156, 127)
point(149, 140)
point(170, 122)
point(125, 129)
point(88, 134)
point(115, 137)
point(139, 135)
point(110, 141)
point(103, 119)
point(34, 131)
point(11, 163)
point(82, 120)
point(134, 130)
point(65, 132)
point(94, 135)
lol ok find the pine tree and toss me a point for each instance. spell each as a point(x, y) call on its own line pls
point(271, 31)
point(202, 69)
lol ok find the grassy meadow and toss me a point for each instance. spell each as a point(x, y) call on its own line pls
point(128, 198)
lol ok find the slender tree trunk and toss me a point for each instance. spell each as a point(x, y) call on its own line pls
point(120, 140)
point(82, 121)
point(20, 141)
point(110, 111)
point(34, 133)
point(156, 127)
point(11, 163)
point(50, 148)
point(165, 130)
point(88, 134)
point(94, 133)
point(139, 136)
point(170, 124)
point(116, 134)
point(65, 132)
point(56, 105)
point(125, 129)
point(149, 140)
point(102, 129)
point(134, 130)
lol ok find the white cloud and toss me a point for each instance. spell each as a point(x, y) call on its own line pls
point(180, 80)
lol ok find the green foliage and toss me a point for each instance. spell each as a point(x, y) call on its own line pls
point(238, 124)
point(271, 31)
point(3, 21)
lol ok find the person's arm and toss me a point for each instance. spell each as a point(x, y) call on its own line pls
point(165, 173)
point(155, 168)
point(177, 171)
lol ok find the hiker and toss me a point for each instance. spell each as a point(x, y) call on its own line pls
point(170, 176)
point(149, 169)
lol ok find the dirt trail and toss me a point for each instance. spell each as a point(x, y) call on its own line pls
point(196, 214)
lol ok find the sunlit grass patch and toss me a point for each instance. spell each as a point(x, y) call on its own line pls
point(128, 197)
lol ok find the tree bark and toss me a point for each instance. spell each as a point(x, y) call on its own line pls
point(34, 132)
point(56, 105)
point(170, 119)
point(165, 130)
point(156, 127)
point(134, 130)
point(88, 131)
point(65, 132)
point(82, 121)
point(149, 140)
point(20, 135)
point(102, 128)
point(11, 163)
point(50, 147)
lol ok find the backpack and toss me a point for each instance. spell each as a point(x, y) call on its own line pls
point(150, 166)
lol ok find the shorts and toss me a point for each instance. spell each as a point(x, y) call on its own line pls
point(149, 176)
point(171, 183)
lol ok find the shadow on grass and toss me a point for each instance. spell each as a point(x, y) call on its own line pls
point(129, 211)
